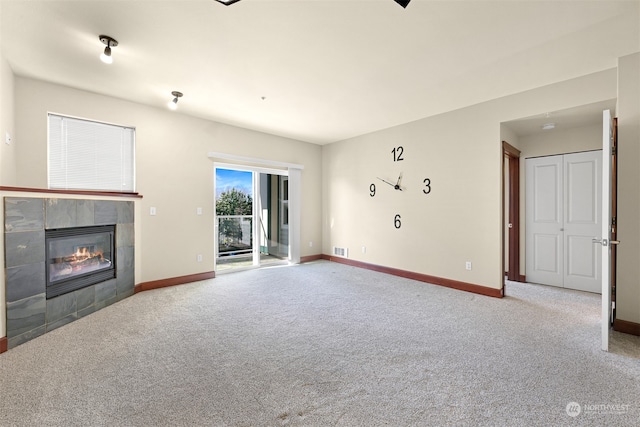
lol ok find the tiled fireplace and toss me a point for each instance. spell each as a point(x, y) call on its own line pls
point(55, 238)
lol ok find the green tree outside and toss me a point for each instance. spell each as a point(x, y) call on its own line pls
point(232, 202)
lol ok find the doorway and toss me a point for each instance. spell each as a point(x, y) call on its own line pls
point(511, 211)
point(273, 218)
point(249, 217)
point(563, 216)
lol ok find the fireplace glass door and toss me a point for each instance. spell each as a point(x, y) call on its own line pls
point(79, 257)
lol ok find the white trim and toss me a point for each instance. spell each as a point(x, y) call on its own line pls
point(295, 208)
point(253, 160)
point(606, 228)
point(255, 185)
point(246, 168)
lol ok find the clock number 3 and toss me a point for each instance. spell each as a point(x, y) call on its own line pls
point(427, 186)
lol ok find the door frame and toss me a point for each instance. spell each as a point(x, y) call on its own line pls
point(292, 170)
point(610, 228)
point(513, 155)
point(614, 215)
point(256, 206)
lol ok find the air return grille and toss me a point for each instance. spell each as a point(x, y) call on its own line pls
point(341, 252)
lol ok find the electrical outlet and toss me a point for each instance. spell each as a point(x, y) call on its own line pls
point(468, 265)
point(199, 257)
point(198, 211)
point(152, 211)
point(7, 138)
point(364, 249)
point(310, 244)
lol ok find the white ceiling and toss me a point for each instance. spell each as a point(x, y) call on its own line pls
point(327, 70)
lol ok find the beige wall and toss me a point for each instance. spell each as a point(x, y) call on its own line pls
point(7, 161)
point(562, 141)
point(7, 152)
point(173, 172)
point(461, 153)
point(628, 112)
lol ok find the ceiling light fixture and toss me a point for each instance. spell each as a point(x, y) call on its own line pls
point(227, 2)
point(173, 104)
point(403, 3)
point(106, 55)
point(548, 126)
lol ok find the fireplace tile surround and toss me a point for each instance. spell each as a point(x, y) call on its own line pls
point(29, 313)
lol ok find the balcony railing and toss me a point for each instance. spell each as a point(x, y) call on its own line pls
point(235, 235)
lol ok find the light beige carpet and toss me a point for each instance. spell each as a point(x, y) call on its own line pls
point(323, 344)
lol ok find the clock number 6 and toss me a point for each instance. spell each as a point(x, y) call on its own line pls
point(396, 221)
point(372, 190)
point(427, 185)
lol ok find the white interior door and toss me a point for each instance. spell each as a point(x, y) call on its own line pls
point(564, 198)
point(582, 220)
point(544, 220)
point(607, 135)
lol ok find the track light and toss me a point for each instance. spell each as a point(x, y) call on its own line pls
point(106, 55)
point(173, 104)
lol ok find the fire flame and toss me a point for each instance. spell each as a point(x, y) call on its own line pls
point(83, 253)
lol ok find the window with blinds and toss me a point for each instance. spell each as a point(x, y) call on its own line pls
point(87, 155)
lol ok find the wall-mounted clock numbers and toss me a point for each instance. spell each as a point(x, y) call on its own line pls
point(427, 186)
point(398, 155)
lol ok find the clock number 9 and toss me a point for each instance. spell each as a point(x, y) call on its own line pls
point(372, 190)
point(396, 221)
point(427, 186)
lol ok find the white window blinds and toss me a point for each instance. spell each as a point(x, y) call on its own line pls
point(86, 155)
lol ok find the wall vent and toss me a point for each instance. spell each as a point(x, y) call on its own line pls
point(342, 252)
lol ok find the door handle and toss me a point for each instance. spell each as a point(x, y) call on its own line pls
point(604, 242)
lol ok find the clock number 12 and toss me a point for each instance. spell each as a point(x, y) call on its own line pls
point(397, 153)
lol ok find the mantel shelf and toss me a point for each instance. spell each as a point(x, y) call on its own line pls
point(71, 192)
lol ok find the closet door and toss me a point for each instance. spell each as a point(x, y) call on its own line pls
point(582, 220)
point(544, 220)
point(563, 200)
